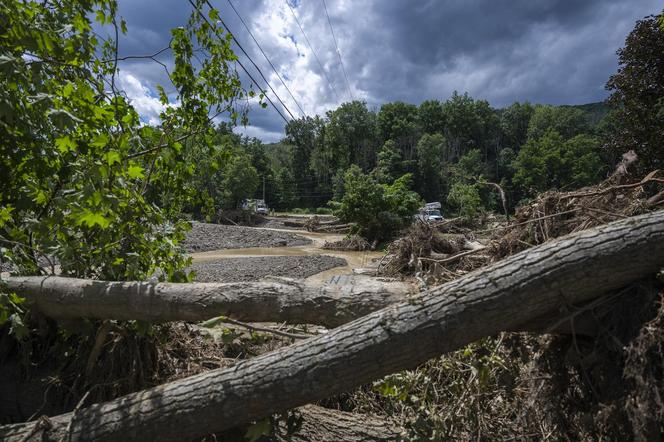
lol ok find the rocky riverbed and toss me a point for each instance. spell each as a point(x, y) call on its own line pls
point(255, 268)
point(204, 237)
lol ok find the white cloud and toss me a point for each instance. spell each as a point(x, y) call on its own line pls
point(547, 51)
point(146, 104)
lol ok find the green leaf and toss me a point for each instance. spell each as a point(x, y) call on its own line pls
point(163, 98)
point(100, 16)
point(135, 171)
point(100, 141)
point(5, 214)
point(92, 219)
point(41, 197)
point(65, 144)
point(112, 157)
point(67, 90)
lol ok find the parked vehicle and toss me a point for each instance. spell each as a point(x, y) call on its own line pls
point(261, 207)
point(258, 206)
point(430, 212)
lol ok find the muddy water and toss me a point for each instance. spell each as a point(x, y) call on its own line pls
point(354, 260)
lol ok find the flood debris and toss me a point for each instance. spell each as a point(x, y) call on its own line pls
point(439, 252)
point(351, 242)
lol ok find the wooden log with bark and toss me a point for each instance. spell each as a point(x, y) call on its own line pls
point(325, 425)
point(548, 278)
point(277, 300)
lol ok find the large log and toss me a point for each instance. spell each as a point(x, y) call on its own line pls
point(552, 276)
point(279, 300)
point(323, 425)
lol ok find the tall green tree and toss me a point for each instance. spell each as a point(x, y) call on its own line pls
point(351, 136)
point(551, 162)
point(430, 166)
point(431, 117)
point(637, 96)
point(310, 161)
point(398, 121)
point(379, 210)
point(390, 163)
point(78, 166)
point(567, 121)
point(469, 124)
point(514, 121)
point(240, 180)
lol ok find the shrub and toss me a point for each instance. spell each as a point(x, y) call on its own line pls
point(378, 210)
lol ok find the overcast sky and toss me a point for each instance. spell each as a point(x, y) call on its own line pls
point(542, 51)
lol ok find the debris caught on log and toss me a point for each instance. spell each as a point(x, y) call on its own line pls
point(351, 242)
point(531, 284)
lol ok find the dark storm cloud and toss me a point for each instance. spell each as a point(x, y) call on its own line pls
point(543, 51)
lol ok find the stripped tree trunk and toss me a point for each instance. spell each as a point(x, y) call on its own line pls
point(279, 300)
point(546, 278)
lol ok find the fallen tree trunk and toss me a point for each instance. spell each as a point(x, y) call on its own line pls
point(335, 303)
point(546, 278)
point(325, 425)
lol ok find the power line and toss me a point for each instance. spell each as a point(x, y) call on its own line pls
point(242, 66)
point(343, 69)
point(266, 57)
point(253, 63)
point(329, 83)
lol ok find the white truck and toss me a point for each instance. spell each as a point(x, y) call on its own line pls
point(257, 206)
point(430, 212)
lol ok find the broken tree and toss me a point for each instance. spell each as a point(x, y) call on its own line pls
point(534, 283)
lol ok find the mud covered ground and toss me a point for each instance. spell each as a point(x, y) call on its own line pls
point(204, 237)
point(255, 268)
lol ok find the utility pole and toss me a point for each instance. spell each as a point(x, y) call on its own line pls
point(264, 189)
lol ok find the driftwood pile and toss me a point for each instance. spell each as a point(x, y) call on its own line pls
point(436, 253)
point(554, 214)
point(351, 242)
point(315, 224)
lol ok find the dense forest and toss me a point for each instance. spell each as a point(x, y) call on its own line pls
point(449, 150)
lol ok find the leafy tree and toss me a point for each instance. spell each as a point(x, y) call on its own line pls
point(431, 117)
point(390, 163)
point(470, 167)
point(553, 163)
point(379, 210)
point(78, 166)
point(240, 180)
point(637, 95)
point(466, 199)
point(567, 121)
point(260, 161)
point(304, 135)
point(514, 121)
point(310, 161)
point(351, 136)
point(430, 166)
point(286, 194)
point(468, 124)
point(468, 194)
point(398, 122)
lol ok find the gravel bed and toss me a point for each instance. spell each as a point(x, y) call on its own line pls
point(204, 237)
point(252, 269)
